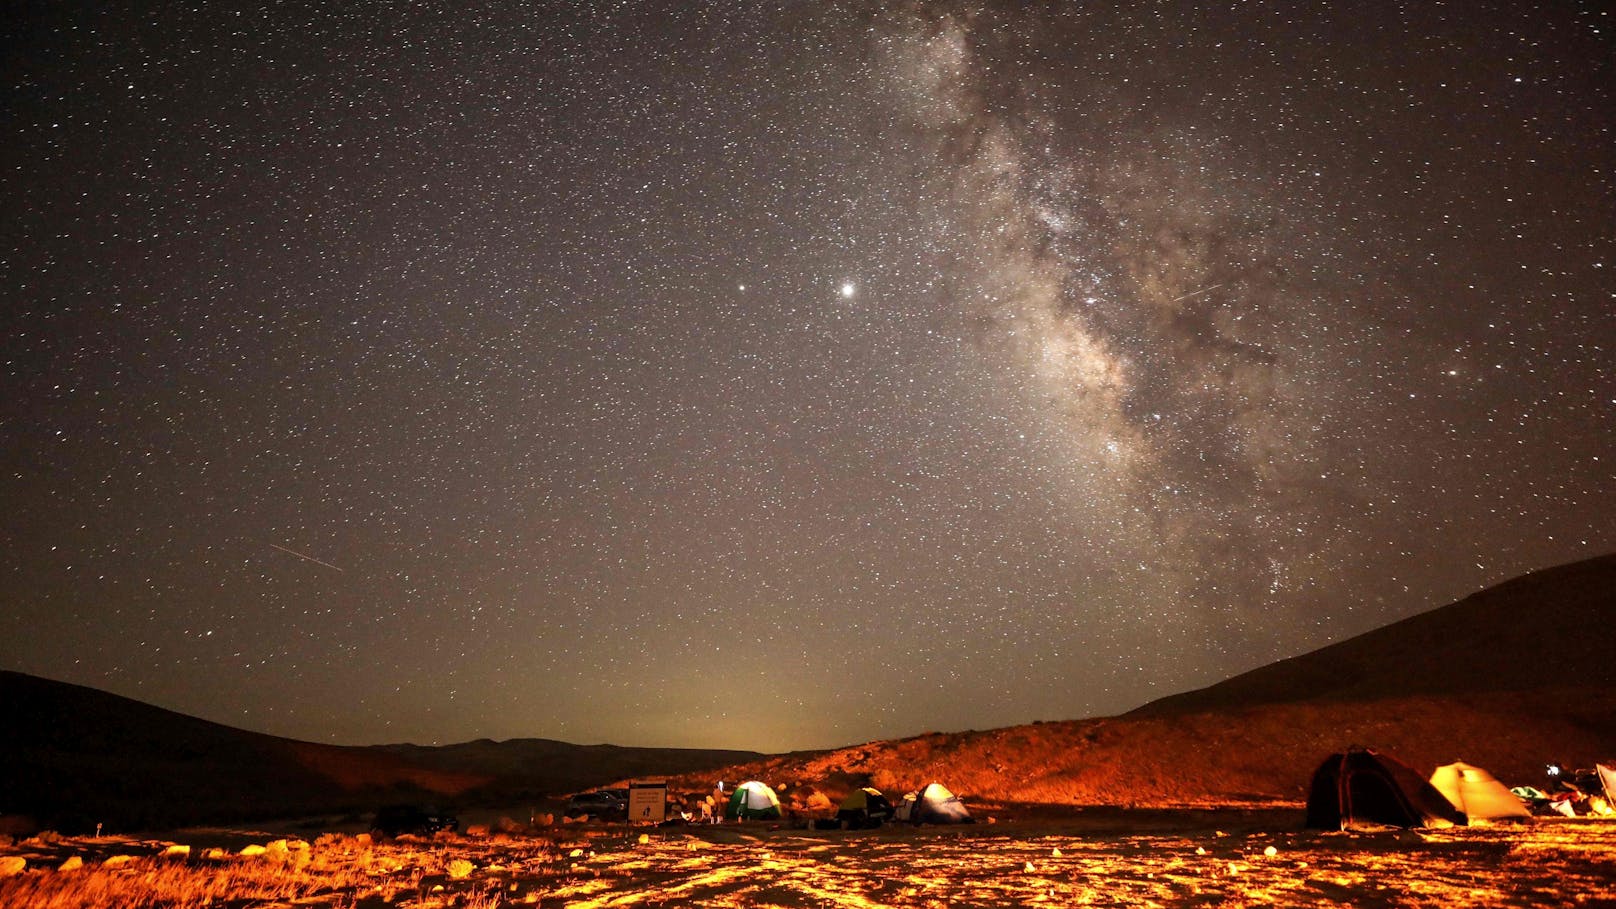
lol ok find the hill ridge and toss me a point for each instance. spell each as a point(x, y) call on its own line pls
point(1430, 688)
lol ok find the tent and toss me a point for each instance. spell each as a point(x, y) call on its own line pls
point(1366, 787)
point(1477, 793)
point(934, 804)
point(1605, 805)
point(864, 808)
point(753, 799)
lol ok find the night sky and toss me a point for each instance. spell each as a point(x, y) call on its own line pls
point(784, 376)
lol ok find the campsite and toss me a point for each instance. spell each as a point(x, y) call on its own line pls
point(1481, 787)
point(1374, 833)
point(1096, 857)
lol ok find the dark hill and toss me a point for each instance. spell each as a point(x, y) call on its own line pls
point(73, 757)
point(1550, 628)
point(1509, 678)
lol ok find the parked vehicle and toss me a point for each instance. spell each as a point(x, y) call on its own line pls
point(602, 804)
point(421, 820)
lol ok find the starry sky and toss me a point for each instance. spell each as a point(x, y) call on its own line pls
point(779, 376)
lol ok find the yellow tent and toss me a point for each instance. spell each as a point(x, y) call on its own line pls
point(1478, 793)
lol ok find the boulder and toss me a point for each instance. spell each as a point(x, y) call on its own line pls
point(12, 864)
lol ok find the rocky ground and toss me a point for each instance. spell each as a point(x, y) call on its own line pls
point(1100, 858)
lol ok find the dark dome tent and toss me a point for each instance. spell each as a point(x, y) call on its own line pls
point(864, 808)
point(1363, 786)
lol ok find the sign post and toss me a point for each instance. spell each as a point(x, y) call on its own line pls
point(647, 802)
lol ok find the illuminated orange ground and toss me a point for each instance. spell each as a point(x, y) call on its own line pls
point(1545, 863)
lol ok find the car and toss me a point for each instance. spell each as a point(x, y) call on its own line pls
point(420, 820)
point(602, 804)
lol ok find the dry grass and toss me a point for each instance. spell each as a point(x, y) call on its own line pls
point(154, 882)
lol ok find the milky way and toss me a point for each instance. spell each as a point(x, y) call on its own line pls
point(776, 377)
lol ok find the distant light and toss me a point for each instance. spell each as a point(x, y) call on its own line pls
point(743, 287)
point(847, 290)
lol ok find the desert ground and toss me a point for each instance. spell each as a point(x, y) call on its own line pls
point(1094, 857)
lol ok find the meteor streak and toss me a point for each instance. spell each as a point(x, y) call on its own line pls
point(306, 558)
point(1197, 293)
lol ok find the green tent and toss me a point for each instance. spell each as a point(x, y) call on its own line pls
point(753, 799)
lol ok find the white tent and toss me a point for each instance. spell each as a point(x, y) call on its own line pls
point(934, 804)
point(1477, 793)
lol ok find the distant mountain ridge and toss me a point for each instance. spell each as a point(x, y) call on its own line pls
point(529, 767)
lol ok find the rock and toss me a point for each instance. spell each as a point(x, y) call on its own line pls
point(644, 838)
point(507, 825)
point(1029, 868)
point(1055, 852)
point(177, 850)
point(477, 831)
point(73, 863)
point(1200, 850)
point(1270, 852)
point(12, 864)
point(364, 839)
point(252, 850)
point(460, 869)
point(214, 853)
point(545, 820)
point(117, 861)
